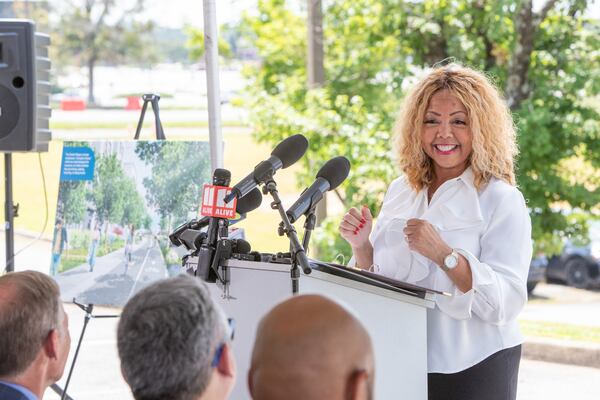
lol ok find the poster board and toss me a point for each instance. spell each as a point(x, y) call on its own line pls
point(117, 203)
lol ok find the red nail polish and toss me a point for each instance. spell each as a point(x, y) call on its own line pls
point(362, 221)
point(360, 226)
point(355, 231)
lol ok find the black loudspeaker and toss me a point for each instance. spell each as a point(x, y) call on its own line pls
point(24, 87)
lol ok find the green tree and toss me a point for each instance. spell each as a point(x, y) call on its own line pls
point(72, 200)
point(178, 171)
point(375, 49)
point(134, 210)
point(107, 194)
point(195, 44)
point(94, 31)
point(115, 195)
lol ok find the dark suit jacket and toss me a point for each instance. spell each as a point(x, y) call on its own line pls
point(8, 393)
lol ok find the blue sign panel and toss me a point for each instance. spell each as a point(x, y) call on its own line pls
point(77, 164)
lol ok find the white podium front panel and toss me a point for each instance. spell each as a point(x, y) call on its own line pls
point(396, 322)
point(397, 328)
point(253, 293)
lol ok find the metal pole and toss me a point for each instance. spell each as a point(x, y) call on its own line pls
point(315, 66)
point(315, 53)
point(9, 214)
point(211, 54)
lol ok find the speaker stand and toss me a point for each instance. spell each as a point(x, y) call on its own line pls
point(10, 212)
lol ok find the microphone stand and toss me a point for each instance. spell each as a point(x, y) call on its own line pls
point(297, 250)
point(223, 251)
point(309, 226)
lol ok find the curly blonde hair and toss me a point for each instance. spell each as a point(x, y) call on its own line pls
point(490, 120)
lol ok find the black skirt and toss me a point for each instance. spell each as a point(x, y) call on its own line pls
point(494, 378)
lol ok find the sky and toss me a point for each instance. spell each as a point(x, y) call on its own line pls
point(177, 13)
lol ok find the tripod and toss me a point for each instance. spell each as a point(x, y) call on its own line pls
point(153, 100)
point(88, 308)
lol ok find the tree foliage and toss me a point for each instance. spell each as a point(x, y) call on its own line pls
point(374, 50)
point(72, 200)
point(102, 31)
point(195, 44)
point(178, 171)
point(114, 194)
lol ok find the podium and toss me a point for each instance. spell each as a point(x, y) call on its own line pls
point(396, 319)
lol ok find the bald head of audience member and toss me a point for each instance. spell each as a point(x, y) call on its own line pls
point(309, 347)
point(34, 338)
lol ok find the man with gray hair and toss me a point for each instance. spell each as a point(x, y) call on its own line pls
point(34, 338)
point(174, 343)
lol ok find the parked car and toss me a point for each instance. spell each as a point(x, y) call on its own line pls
point(578, 266)
point(537, 272)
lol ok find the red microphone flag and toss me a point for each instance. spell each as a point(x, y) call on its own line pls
point(213, 204)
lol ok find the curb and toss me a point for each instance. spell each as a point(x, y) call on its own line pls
point(562, 351)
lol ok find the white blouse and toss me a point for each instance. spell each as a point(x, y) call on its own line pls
point(492, 230)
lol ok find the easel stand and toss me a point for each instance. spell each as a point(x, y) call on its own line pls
point(88, 309)
point(153, 100)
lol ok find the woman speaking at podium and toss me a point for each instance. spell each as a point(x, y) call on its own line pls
point(455, 222)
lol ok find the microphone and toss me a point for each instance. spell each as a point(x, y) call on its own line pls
point(330, 176)
point(192, 239)
point(241, 246)
point(221, 177)
point(286, 153)
point(248, 203)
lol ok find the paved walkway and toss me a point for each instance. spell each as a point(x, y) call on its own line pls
point(113, 280)
point(563, 304)
point(547, 381)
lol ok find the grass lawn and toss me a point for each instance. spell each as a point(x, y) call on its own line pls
point(560, 331)
point(241, 155)
point(121, 125)
point(72, 258)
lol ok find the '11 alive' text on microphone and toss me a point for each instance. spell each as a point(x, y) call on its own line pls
point(189, 234)
point(213, 204)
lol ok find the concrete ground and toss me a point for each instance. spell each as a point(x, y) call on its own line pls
point(563, 304)
point(97, 376)
point(540, 380)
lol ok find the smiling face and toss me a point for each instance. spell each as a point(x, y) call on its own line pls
point(446, 136)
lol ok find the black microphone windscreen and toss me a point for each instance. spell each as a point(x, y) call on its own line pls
point(335, 171)
point(249, 202)
point(242, 246)
point(290, 150)
point(221, 177)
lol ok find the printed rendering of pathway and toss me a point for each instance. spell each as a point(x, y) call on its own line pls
point(113, 282)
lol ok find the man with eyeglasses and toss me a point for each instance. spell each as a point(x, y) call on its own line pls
point(310, 347)
point(175, 343)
